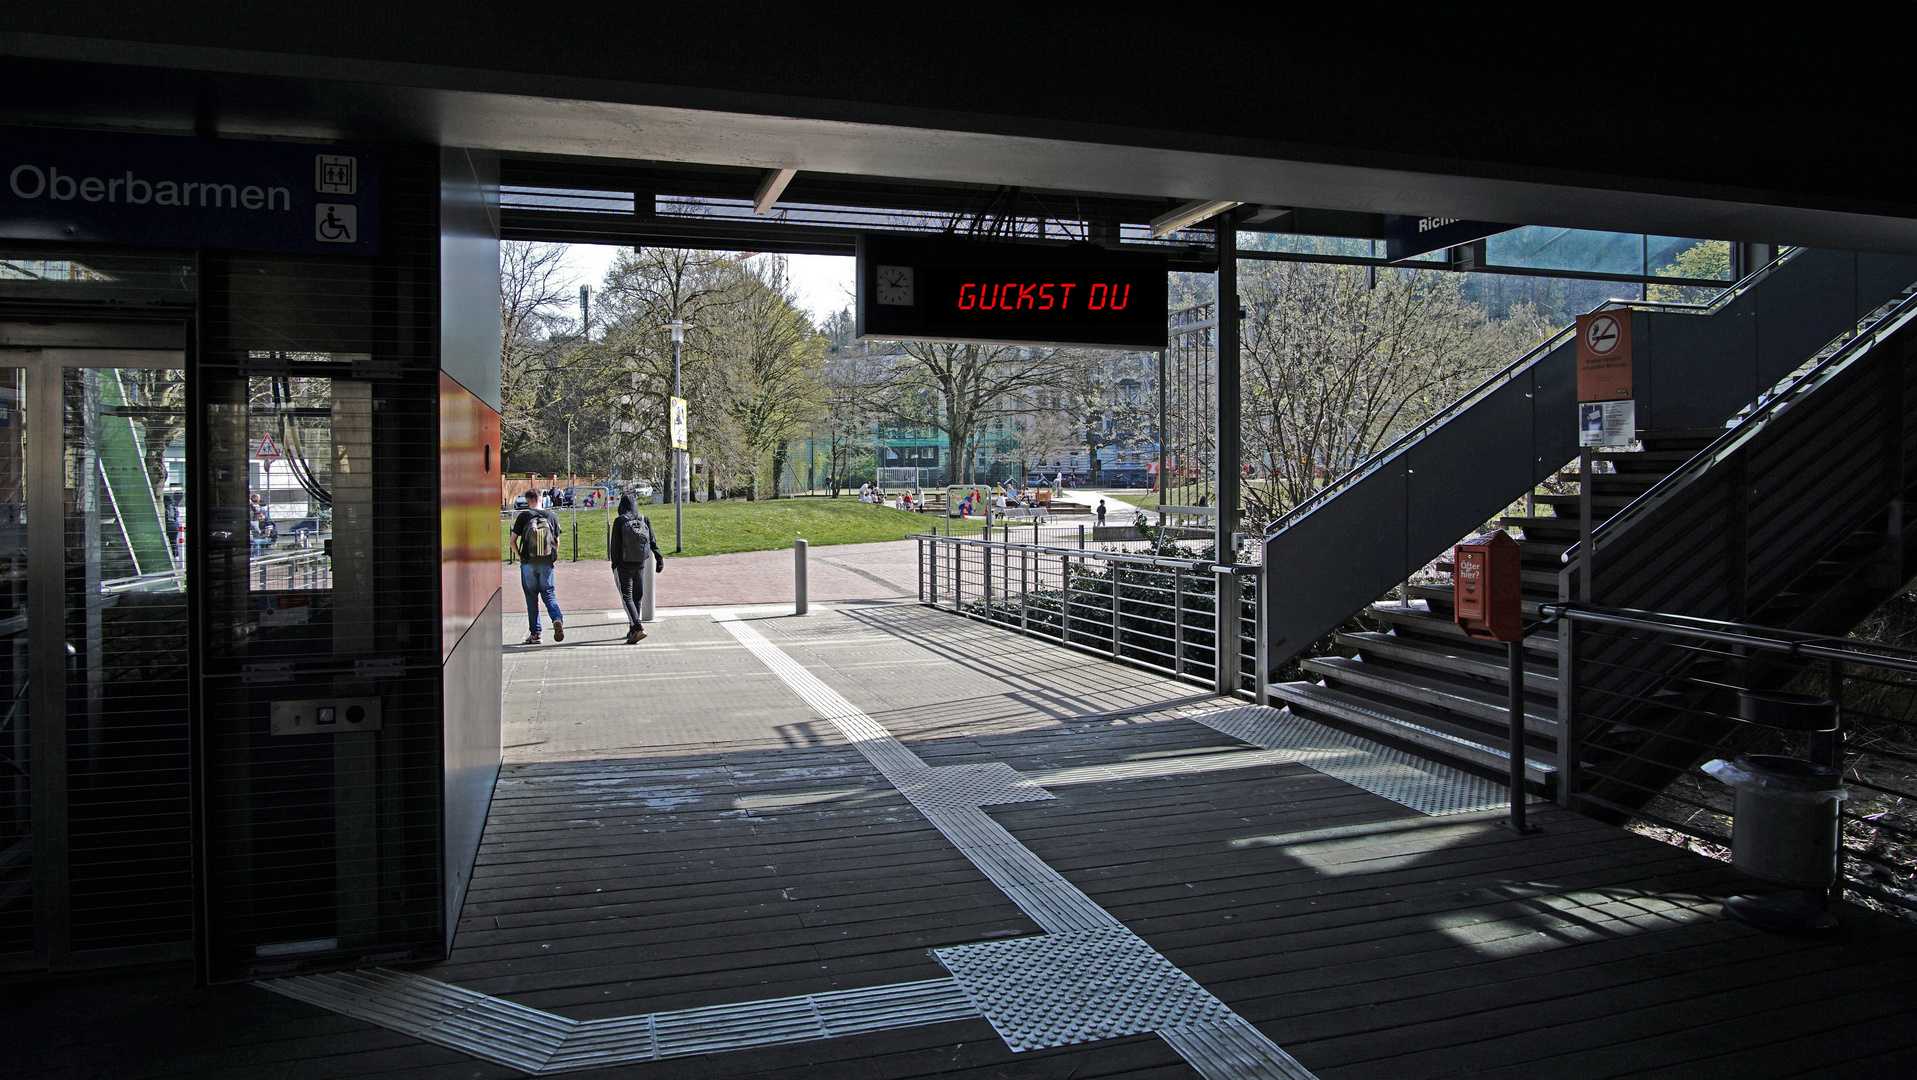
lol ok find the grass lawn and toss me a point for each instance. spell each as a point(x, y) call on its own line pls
point(718, 527)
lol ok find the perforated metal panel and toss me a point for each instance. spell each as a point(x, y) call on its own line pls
point(1070, 988)
point(1424, 786)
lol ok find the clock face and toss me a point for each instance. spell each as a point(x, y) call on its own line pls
point(895, 286)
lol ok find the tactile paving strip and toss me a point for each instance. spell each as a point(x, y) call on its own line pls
point(1232, 1049)
point(1062, 989)
point(1088, 977)
point(990, 783)
point(533, 1041)
point(1404, 778)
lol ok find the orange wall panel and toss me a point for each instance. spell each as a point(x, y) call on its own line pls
point(468, 510)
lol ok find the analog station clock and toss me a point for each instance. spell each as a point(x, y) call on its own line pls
point(895, 286)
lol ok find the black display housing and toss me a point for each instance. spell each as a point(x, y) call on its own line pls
point(1005, 293)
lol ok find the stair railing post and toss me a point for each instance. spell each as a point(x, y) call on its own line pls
point(1261, 641)
point(985, 567)
point(1568, 750)
point(1024, 590)
point(1178, 621)
point(1224, 610)
point(1827, 749)
point(1586, 557)
point(1111, 569)
point(1065, 599)
point(1514, 660)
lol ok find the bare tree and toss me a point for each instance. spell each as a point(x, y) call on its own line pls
point(645, 290)
point(1336, 365)
point(534, 336)
point(957, 390)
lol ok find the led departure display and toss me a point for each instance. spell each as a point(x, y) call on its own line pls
point(937, 289)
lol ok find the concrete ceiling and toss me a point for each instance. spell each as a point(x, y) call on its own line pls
point(1689, 171)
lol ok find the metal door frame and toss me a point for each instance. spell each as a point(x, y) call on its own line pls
point(44, 363)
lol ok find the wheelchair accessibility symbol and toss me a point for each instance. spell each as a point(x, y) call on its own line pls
point(336, 223)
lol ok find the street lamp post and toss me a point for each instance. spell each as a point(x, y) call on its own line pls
point(678, 328)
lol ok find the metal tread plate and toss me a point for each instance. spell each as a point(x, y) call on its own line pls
point(1402, 777)
point(1068, 988)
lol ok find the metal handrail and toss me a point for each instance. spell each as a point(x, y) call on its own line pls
point(1760, 638)
point(1748, 428)
point(1108, 556)
point(1404, 442)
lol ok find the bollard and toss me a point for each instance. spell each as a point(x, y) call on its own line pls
point(798, 577)
point(1081, 538)
point(646, 577)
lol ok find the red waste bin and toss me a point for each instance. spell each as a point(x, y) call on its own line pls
point(1488, 587)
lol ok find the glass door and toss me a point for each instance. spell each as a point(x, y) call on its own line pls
point(97, 736)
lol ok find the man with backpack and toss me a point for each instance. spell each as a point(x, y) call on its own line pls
point(536, 539)
point(629, 542)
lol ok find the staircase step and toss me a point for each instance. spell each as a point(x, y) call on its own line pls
point(1408, 727)
point(1636, 481)
point(1680, 438)
point(1443, 656)
point(1442, 594)
point(1420, 620)
point(1426, 692)
point(1546, 580)
point(1599, 501)
point(1638, 461)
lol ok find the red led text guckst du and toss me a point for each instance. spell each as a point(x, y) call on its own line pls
point(1042, 296)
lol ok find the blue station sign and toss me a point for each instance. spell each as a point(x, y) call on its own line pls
point(1407, 236)
point(175, 191)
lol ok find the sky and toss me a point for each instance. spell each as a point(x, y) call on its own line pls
point(823, 282)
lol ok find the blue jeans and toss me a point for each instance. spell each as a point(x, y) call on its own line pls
point(536, 582)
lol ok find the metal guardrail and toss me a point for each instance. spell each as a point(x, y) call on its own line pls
point(1164, 618)
point(309, 568)
point(1874, 684)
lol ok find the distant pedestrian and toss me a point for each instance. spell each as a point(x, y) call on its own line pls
point(1101, 512)
point(629, 542)
point(536, 538)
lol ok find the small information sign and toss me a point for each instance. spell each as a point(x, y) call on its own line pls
point(1607, 423)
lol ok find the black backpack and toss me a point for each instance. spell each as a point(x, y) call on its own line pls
point(635, 538)
point(538, 540)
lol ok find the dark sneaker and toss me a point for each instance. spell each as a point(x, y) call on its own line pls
point(531, 639)
point(558, 632)
point(632, 634)
point(638, 635)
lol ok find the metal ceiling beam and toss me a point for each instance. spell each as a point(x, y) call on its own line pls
point(770, 189)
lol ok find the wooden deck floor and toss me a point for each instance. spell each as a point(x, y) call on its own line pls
point(677, 828)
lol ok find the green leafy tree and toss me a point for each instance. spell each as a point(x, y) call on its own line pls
point(1709, 259)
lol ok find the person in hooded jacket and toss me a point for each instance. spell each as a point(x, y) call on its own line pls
point(629, 541)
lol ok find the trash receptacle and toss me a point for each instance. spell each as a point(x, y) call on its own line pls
point(1784, 827)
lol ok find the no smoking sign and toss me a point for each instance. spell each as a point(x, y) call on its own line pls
point(1604, 356)
point(1602, 336)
